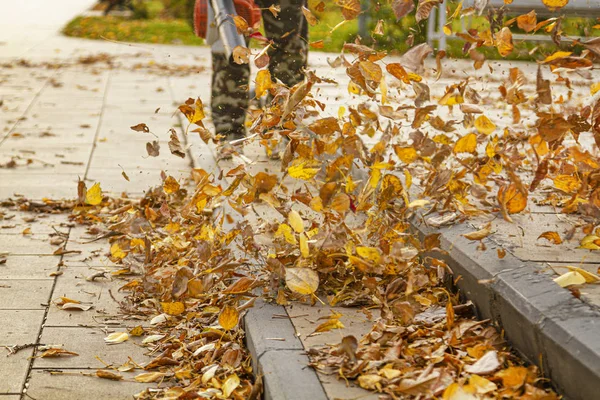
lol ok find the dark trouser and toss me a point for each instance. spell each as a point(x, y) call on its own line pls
point(289, 33)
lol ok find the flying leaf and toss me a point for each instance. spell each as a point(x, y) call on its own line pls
point(93, 196)
point(240, 24)
point(406, 154)
point(402, 8)
point(350, 8)
point(484, 125)
point(304, 168)
point(567, 183)
point(175, 145)
point(528, 21)
point(466, 144)
point(116, 338)
point(241, 55)
point(173, 308)
point(554, 5)
point(504, 42)
point(170, 185)
point(193, 110)
point(310, 18)
point(424, 8)
point(153, 148)
point(302, 280)
point(263, 82)
point(141, 128)
point(229, 318)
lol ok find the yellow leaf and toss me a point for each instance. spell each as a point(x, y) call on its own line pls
point(304, 250)
point(466, 144)
point(286, 231)
point(302, 280)
point(555, 4)
point(570, 278)
point(595, 88)
point(418, 203)
point(504, 42)
point(116, 337)
point(589, 277)
point(304, 168)
point(295, 221)
point(173, 308)
point(263, 82)
point(406, 154)
point(332, 323)
point(93, 196)
point(116, 251)
point(170, 185)
point(484, 125)
point(557, 56)
point(148, 377)
point(369, 253)
point(230, 384)
point(480, 234)
point(240, 24)
point(590, 242)
point(567, 183)
point(137, 331)
point(480, 385)
point(193, 114)
point(229, 318)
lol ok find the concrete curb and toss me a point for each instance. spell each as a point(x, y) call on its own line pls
point(541, 320)
point(278, 355)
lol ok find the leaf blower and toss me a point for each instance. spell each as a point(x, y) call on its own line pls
point(213, 21)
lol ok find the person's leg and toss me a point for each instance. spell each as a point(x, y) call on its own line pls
point(229, 99)
point(289, 33)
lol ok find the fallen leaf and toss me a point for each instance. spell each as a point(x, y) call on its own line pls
point(173, 308)
point(116, 338)
point(551, 237)
point(93, 196)
point(481, 233)
point(487, 364)
point(57, 352)
point(229, 318)
point(106, 374)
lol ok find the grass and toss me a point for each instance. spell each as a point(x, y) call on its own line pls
point(163, 31)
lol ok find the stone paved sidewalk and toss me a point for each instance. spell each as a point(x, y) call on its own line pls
point(74, 120)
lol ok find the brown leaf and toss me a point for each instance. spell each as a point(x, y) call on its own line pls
point(106, 374)
point(241, 55)
point(350, 8)
point(141, 128)
point(424, 8)
point(310, 18)
point(57, 352)
point(153, 148)
point(528, 21)
point(402, 7)
point(481, 233)
point(175, 145)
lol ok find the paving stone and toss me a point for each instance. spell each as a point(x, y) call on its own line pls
point(14, 222)
point(13, 370)
point(89, 344)
point(522, 238)
point(306, 318)
point(34, 244)
point(73, 284)
point(38, 186)
point(43, 385)
point(24, 294)
point(28, 267)
point(19, 326)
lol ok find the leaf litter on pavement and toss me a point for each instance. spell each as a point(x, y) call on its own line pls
point(338, 229)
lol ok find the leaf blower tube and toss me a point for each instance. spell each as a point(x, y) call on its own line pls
point(223, 12)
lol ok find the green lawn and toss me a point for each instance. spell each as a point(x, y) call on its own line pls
point(164, 31)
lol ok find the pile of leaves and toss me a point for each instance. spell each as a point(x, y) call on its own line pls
point(338, 225)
